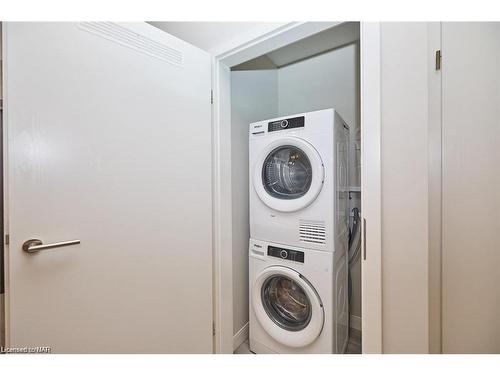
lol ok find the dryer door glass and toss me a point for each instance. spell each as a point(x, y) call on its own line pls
point(286, 303)
point(287, 173)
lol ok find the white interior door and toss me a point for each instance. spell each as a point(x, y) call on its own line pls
point(471, 187)
point(108, 141)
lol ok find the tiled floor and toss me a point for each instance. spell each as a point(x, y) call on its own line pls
point(353, 347)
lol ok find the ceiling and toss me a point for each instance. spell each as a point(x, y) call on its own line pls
point(337, 36)
point(214, 36)
point(209, 35)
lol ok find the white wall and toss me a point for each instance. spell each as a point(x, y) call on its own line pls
point(324, 81)
point(471, 187)
point(470, 176)
point(254, 96)
point(404, 155)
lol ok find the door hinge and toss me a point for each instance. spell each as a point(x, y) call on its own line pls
point(211, 96)
point(438, 59)
point(213, 328)
point(7, 239)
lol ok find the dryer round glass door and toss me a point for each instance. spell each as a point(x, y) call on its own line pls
point(287, 306)
point(288, 175)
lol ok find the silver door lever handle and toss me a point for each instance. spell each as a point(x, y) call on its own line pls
point(35, 245)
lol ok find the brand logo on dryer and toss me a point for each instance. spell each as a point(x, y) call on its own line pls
point(257, 129)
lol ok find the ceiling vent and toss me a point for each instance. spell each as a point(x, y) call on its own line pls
point(128, 38)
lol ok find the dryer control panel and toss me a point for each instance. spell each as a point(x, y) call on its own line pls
point(278, 252)
point(289, 123)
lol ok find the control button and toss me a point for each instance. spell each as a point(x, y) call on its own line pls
point(283, 254)
point(284, 123)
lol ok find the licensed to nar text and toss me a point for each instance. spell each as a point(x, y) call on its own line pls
point(26, 350)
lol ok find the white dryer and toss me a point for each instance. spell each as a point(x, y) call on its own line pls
point(299, 180)
point(298, 299)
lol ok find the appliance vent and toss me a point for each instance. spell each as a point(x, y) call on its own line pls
point(128, 38)
point(312, 231)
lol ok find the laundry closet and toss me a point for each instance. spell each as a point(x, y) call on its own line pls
point(315, 73)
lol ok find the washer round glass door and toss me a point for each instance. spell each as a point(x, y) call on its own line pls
point(288, 174)
point(287, 306)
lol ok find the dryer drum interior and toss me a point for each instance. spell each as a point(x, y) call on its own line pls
point(287, 173)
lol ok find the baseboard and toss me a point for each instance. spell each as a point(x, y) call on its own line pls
point(240, 336)
point(355, 322)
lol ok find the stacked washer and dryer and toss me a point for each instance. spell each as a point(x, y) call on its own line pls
point(299, 229)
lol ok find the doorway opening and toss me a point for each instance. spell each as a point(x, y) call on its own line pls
point(318, 72)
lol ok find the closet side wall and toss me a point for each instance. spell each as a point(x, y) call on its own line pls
point(254, 97)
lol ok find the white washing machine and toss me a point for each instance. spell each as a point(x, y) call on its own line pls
point(298, 299)
point(299, 180)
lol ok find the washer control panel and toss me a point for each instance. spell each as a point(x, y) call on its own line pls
point(289, 123)
point(288, 254)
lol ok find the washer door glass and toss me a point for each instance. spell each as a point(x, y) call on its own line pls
point(287, 173)
point(286, 303)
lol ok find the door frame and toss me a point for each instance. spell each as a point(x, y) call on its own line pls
point(371, 265)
